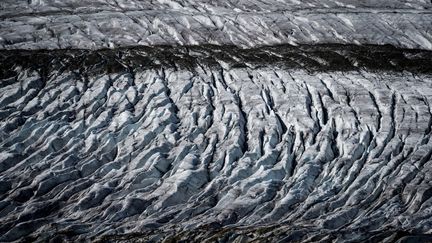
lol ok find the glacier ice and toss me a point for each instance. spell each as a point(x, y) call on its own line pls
point(215, 121)
point(272, 143)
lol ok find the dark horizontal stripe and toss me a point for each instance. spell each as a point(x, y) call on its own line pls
point(279, 233)
point(330, 57)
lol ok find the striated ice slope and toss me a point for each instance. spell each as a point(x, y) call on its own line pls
point(55, 24)
point(205, 143)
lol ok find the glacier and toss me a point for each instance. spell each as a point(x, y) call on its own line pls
point(53, 24)
point(215, 121)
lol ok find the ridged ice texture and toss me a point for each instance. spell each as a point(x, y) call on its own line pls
point(165, 149)
point(55, 24)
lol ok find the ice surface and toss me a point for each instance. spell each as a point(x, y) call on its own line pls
point(334, 151)
point(99, 24)
point(215, 121)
